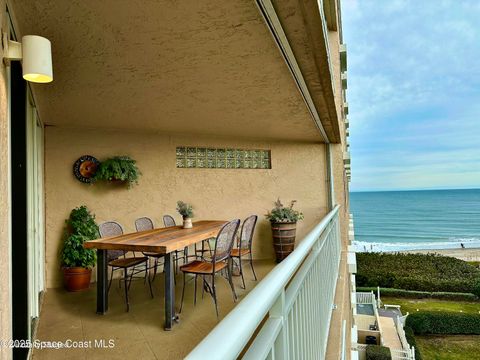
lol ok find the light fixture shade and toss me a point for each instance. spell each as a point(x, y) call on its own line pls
point(37, 59)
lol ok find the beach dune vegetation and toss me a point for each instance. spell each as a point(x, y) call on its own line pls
point(415, 294)
point(420, 272)
point(443, 323)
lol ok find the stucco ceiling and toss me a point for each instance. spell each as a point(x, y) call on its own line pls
point(207, 67)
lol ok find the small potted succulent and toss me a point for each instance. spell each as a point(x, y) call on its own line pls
point(77, 262)
point(284, 225)
point(118, 169)
point(186, 210)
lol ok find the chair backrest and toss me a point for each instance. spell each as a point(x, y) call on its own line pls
point(246, 235)
point(143, 224)
point(108, 229)
point(168, 221)
point(224, 240)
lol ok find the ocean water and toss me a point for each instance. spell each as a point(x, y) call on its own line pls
point(410, 220)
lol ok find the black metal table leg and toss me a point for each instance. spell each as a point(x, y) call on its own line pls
point(102, 277)
point(170, 315)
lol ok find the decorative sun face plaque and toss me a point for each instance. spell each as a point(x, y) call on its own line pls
point(85, 168)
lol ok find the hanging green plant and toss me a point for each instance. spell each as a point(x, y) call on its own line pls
point(118, 169)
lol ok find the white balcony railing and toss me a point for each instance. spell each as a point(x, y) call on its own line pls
point(408, 351)
point(397, 354)
point(287, 315)
point(365, 298)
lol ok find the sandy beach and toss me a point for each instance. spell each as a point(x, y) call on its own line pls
point(468, 254)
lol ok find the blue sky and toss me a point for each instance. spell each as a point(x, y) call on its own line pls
point(413, 93)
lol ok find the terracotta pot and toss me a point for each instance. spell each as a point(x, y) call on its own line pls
point(283, 239)
point(76, 278)
point(187, 223)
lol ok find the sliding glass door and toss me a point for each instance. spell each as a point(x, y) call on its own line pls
point(35, 209)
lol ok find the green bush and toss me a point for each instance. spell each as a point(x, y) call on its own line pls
point(443, 323)
point(414, 294)
point(80, 227)
point(410, 336)
point(430, 272)
point(376, 352)
point(476, 286)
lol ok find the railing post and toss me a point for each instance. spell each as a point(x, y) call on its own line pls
point(279, 310)
point(343, 355)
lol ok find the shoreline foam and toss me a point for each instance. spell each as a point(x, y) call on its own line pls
point(451, 244)
point(469, 254)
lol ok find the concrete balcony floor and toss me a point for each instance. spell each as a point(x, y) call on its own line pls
point(139, 333)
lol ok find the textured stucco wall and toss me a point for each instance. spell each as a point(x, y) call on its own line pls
point(5, 310)
point(298, 173)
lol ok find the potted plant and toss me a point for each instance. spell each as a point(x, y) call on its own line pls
point(284, 225)
point(186, 210)
point(121, 169)
point(77, 262)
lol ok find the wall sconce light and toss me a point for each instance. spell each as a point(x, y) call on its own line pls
point(36, 55)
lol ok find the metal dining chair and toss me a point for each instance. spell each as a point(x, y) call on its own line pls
point(168, 220)
point(244, 245)
point(144, 224)
point(219, 261)
point(117, 260)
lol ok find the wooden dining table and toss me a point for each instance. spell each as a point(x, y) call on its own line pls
point(163, 241)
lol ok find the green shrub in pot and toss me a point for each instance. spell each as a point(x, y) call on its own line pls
point(77, 262)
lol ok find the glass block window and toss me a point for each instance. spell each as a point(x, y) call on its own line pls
point(222, 158)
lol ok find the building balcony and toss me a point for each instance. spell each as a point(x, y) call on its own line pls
point(376, 326)
point(345, 108)
point(346, 158)
point(343, 57)
point(344, 80)
point(224, 105)
point(291, 301)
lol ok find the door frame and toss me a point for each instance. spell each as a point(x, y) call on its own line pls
point(26, 198)
point(19, 218)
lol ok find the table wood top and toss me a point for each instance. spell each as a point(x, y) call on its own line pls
point(163, 240)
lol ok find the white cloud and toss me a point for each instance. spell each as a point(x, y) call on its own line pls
point(414, 82)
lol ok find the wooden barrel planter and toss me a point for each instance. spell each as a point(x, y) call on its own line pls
point(77, 278)
point(283, 239)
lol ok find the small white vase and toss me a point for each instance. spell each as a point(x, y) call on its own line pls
point(187, 223)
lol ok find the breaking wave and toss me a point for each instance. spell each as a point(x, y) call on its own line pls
point(452, 243)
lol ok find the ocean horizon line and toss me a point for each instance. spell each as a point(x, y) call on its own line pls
point(412, 190)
